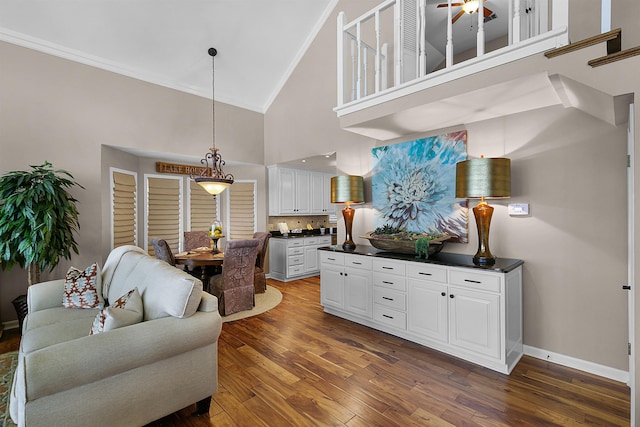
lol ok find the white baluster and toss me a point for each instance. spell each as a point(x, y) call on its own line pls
point(449, 54)
point(422, 39)
point(340, 39)
point(480, 34)
point(377, 58)
point(365, 68)
point(385, 66)
point(397, 46)
point(516, 21)
point(353, 69)
point(359, 70)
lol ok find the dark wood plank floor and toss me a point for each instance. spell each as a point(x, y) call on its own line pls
point(298, 366)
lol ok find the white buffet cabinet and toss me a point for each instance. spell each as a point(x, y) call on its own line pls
point(295, 257)
point(448, 304)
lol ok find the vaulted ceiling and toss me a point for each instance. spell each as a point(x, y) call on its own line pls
point(259, 42)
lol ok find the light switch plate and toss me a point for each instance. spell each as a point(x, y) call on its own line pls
point(518, 209)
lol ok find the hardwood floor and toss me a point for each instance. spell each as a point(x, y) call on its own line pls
point(296, 365)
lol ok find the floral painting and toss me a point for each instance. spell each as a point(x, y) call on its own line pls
point(413, 186)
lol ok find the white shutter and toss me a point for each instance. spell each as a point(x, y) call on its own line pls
point(242, 210)
point(163, 216)
point(123, 214)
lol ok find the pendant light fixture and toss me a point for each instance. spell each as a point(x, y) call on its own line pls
point(212, 178)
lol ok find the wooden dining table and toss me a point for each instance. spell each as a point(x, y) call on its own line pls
point(202, 259)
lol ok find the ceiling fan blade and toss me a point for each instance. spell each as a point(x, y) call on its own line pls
point(458, 15)
point(452, 4)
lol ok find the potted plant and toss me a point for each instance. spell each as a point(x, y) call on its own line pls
point(38, 219)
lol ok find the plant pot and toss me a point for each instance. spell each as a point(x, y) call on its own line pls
point(20, 304)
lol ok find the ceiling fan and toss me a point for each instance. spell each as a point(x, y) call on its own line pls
point(468, 6)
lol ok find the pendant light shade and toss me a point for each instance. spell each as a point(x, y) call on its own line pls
point(212, 178)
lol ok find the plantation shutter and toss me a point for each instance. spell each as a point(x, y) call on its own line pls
point(202, 208)
point(124, 209)
point(242, 210)
point(164, 211)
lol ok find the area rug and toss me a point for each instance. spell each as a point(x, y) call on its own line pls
point(264, 302)
point(8, 362)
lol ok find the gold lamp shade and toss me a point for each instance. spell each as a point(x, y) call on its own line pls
point(482, 178)
point(348, 190)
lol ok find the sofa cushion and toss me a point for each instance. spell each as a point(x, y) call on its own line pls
point(165, 290)
point(53, 326)
point(82, 289)
point(125, 311)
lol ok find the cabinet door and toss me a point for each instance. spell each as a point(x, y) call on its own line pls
point(427, 309)
point(311, 259)
point(317, 193)
point(286, 189)
point(328, 207)
point(474, 321)
point(358, 292)
point(302, 192)
point(332, 286)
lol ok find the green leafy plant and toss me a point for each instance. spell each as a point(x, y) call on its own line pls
point(38, 219)
point(422, 247)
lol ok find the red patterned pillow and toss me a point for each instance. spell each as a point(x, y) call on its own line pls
point(83, 289)
point(125, 311)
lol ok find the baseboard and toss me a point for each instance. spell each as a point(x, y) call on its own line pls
point(582, 365)
point(11, 324)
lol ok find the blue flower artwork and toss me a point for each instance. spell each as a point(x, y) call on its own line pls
point(413, 185)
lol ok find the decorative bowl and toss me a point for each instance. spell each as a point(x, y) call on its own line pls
point(404, 246)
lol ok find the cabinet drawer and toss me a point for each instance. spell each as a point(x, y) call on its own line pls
point(388, 266)
point(324, 240)
point(390, 298)
point(487, 282)
point(389, 316)
point(296, 259)
point(334, 258)
point(299, 250)
point(291, 243)
point(356, 261)
point(295, 270)
point(427, 272)
point(389, 281)
point(309, 241)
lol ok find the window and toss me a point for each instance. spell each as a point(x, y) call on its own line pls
point(241, 210)
point(203, 208)
point(124, 215)
point(164, 215)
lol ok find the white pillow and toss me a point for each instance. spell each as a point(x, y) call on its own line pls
point(126, 310)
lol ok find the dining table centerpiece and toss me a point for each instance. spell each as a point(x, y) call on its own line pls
point(406, 242)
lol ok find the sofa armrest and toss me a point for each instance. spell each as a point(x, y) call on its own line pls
point(88, 359)
point(208, 302)
point(44, 295)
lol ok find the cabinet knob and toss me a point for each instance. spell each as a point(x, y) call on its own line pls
point(443, 294)
point(450, 295)
point(341, 273)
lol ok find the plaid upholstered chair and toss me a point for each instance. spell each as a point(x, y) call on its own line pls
point(259, 279)
point(234, 287)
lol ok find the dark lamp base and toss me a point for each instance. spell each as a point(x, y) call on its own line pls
point(480, 260)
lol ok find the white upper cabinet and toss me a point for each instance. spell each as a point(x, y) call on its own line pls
point(299, 192)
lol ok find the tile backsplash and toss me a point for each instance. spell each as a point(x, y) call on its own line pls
point(293, 222)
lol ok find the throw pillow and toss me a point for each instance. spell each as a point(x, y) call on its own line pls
point(125, 311)
point(83, 289)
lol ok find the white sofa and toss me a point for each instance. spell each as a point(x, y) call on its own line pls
point(127, 376)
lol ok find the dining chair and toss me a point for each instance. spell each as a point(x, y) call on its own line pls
point(196, 239)
point(259, 278)
point(234, 287)
point(162, 250)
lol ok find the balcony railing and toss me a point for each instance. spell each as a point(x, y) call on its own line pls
point(403, 46)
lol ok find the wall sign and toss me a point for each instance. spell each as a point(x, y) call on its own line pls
point(178, 169)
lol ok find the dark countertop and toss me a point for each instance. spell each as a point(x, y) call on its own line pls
point(503, 265)
point(278, 235)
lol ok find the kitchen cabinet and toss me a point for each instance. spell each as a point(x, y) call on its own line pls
point(448, 304)
point(299, 192)
point(321, 194)
point(295, 258)
point(346, 284)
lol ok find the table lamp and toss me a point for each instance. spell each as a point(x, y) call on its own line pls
point(347, 190)
point(483, 178)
